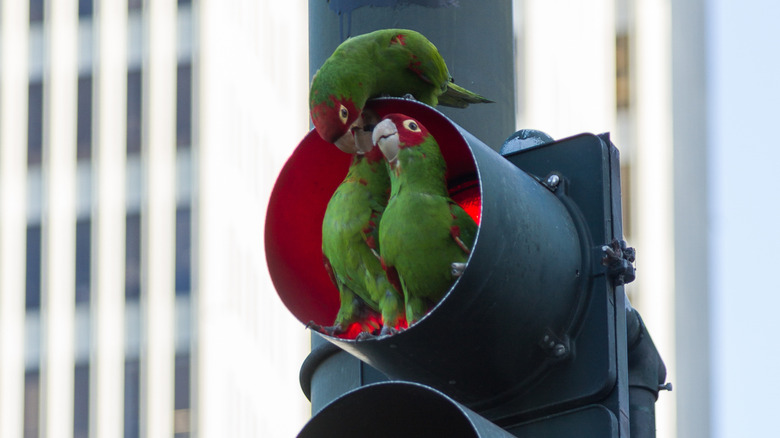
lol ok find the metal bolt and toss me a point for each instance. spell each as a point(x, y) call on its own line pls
point(665, 387)
point(559, 350)
point(553, 181)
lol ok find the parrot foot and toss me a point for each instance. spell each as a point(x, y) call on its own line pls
point(457, 269)
point(409, 96)
point(330, 331)
point(364, 336)
point(388, 331)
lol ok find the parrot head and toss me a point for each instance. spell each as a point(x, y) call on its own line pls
point(334, 119)
point(396, 132)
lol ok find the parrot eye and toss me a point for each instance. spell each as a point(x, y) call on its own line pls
point(411, 125)
point(343, 114)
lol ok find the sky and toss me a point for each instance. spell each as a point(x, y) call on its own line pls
point(744, 86)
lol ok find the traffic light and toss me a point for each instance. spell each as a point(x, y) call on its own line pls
point(532, 337)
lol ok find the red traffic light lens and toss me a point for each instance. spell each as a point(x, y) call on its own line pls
point(293, 233)
point(467, 194)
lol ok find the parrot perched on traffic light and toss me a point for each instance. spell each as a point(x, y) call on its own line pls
point(388, 62)
point(425, 237)
point(351, 252)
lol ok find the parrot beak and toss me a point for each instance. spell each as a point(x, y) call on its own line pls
point(386, 137)
point(347, 143)
point(357, 139)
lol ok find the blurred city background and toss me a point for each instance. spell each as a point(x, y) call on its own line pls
point(140, 140)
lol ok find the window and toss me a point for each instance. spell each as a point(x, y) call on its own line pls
point(134, 93)
point(627, 205)
point(36, 11)
point(33, 268)
point(85, 8)
point(184, 106)
point(35, 123)
point(132, 398)
point(622, 78)
point(84, 114)
point(31, 404)
point(133, 256)
point(181, 414)
point(81, 401)
point(183, 249)
point(83, 258)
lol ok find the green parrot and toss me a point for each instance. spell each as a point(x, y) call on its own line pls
point(388, 62)
point(426, 237)
point(351, 252)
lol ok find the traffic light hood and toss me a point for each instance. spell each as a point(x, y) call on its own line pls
point(293, 233)
point(399, 409)
point(505, 318)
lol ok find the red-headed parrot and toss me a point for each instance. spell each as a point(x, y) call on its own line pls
point(351, 252)
point(388, 62)
point(425, 237)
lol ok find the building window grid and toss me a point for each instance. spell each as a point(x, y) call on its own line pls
point(133, 239)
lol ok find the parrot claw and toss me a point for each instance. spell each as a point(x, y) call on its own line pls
point(457, 269)
point(388, 331)
point(330, 331)
point(364, 336)
point(409, 96)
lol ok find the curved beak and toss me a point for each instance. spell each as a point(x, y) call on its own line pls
point(386, 137)
point(347, 143)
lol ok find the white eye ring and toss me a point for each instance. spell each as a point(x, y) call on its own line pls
point(411, 125)
point(343, 114)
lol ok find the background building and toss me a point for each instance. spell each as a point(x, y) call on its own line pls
point(139, 142)
point(136, 153)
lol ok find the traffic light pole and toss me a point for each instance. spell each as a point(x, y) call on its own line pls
point(646, 376)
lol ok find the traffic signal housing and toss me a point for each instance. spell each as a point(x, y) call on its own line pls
point(531, 337)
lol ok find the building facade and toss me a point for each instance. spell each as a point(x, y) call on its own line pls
point(132, 290)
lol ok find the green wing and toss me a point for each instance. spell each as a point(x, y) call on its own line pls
point(465, 226)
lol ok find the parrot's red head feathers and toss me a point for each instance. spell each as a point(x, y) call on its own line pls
point(333, 118)
point(396, 132)
point(410, 132)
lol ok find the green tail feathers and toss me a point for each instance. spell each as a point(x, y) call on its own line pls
point(459, 97)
